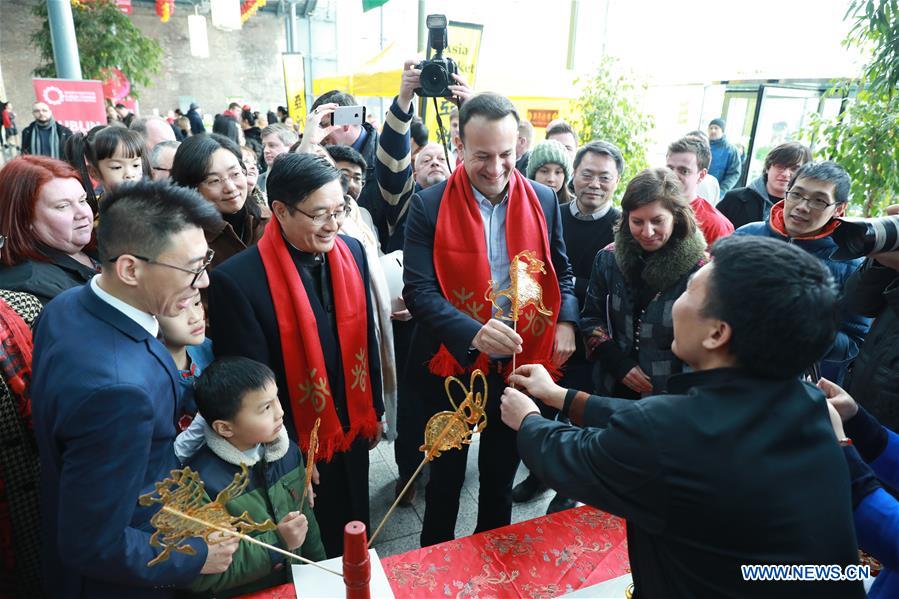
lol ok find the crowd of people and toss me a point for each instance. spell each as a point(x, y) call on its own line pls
point(233, 288)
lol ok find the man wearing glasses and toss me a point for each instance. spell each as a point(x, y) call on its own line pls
point(161, 158)
point(105, 395)
point(300, 302)
point(817, 195)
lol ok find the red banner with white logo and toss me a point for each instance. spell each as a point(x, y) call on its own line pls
point(74, 103)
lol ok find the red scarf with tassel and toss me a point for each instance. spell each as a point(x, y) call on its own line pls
point(463, 272)
point(304, 363)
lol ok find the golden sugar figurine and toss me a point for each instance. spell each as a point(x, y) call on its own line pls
point(524, 289)
point(184, 513)
point(450, 430)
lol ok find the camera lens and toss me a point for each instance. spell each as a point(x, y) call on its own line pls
point(434, 80)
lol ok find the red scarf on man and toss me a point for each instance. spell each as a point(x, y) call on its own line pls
point(460, 261)
point(304, 363)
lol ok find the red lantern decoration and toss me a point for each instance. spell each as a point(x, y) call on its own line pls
point(165, 8)
point(248, 8)
point(115, 84)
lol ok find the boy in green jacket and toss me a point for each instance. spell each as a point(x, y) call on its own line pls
point(238, 398)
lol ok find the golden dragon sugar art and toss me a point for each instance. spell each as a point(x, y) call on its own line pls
point(185, 513)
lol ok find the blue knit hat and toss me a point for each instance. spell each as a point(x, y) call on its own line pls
point(719, 121)
point(549, 151)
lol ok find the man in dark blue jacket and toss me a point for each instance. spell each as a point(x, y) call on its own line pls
point(105, 400)
point(726, 164)
point(196, 119)
point(737, 466)
point(472, 225)
point(817, 195)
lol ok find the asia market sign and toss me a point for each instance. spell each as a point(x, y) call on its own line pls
point(76, 104)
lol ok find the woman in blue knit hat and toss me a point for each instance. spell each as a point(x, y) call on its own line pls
point(550, 164)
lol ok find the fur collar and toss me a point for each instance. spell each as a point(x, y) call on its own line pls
point(660, 269)
point(274, 451)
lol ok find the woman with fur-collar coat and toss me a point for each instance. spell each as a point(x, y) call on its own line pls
point(626, 321)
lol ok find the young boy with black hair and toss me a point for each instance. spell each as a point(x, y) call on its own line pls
point(238, 398)
point(185, 338)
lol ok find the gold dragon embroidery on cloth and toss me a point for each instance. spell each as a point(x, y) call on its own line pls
point(476, 585)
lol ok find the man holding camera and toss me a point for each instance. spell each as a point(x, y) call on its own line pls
point(817, 195)
point(397, 173)
point(398, 177)
point(460, 238)
point(873, 291)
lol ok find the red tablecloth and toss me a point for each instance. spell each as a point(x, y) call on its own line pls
point(538, 559)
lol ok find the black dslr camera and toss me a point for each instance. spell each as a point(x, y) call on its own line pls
point(437, 73)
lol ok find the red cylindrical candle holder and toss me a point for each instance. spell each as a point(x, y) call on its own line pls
point(356, 565)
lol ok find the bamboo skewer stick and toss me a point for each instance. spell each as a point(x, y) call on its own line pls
point(514, 355)
point(246, 537)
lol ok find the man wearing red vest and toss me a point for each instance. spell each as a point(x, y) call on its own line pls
point(461, 235)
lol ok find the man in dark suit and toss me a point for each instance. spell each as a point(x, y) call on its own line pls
point(105, 400)
point(737, 466)
point(328, 333)
point(462, 235)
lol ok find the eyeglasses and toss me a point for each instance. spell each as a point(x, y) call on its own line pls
point(196, 272)
point(321, 219)
point(358, 179)
point(217, 182)
point(794, 197)
point(588, 177)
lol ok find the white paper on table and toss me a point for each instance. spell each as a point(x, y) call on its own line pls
point(610, 589)
point(312, 583)
point(392, 265)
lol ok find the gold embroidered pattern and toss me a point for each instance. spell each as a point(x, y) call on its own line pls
point(472, 308)
point(536, 323)
point(360, 371)
point(315, 390)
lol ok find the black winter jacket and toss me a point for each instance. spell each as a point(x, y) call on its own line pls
point(873, 291)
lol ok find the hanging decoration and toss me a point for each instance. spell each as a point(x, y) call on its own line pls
point(248, 8)
point(199, 40)
point(165, 8)
point(226, 14)
point(115, 84)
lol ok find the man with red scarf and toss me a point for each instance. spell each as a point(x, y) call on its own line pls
point(462, 235)
point(299, 302)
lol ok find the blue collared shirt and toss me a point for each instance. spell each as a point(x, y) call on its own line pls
point(494, 218)
point(360, 141)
